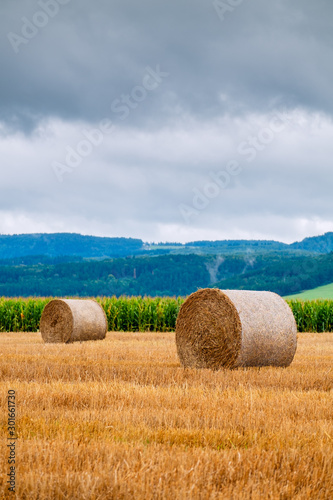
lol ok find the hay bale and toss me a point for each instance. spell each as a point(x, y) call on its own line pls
point(234, 328)
point(70, 320)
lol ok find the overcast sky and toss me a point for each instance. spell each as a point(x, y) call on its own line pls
point(167, 120)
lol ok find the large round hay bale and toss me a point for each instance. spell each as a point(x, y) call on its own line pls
point(70, 320)
point(234, 328)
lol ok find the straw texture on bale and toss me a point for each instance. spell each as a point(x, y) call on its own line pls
point(235, 328)
point(70, 320)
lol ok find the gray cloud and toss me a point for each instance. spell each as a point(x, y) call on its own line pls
point(88, 55)
point(226, 81)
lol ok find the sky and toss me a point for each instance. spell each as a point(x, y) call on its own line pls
point(167, 120)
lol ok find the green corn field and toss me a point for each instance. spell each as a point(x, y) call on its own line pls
point(141, 314)
point(313, 315)
point(128, 314)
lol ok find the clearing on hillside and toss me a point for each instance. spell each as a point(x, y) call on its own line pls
point(322, 292)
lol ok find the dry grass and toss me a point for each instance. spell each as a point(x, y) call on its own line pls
point(119, 418)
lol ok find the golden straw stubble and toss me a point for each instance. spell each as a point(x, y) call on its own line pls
point(70, 320)
point(234, 328)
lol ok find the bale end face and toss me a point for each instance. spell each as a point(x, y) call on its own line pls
point(208, 331)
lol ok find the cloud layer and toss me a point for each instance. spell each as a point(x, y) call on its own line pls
point(123, 118)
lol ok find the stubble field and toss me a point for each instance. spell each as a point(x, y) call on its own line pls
point(120, 419)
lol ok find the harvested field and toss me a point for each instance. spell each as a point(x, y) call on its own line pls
point(120, 419)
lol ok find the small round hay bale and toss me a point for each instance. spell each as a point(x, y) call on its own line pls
point(235, 328)
point(70, 320)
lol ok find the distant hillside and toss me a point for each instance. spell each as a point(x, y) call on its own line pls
point(236, 246)
point(60, 244)
point(75, 245)
point(315, 244)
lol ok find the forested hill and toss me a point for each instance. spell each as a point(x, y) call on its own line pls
point(75, 265)
point(316, 244)
point(285, 276)
point(76, 245)
point(60, 244)
point(165, 275)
